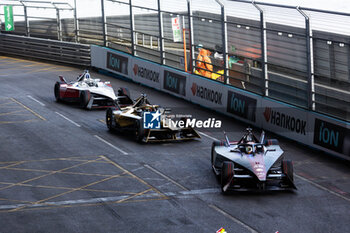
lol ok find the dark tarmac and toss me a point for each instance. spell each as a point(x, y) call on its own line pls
point(62, 171)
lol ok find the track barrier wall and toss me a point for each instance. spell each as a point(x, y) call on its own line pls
point(309, 128)
point(52, 50)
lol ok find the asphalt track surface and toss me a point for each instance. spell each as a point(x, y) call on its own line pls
point(62, 171)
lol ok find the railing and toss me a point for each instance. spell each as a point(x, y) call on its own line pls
point(65, 52)
point(268, 49)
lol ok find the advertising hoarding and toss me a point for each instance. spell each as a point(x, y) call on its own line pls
point(175, 82)
point(147, 73)
point(286, 120)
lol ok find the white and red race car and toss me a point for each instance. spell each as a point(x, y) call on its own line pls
point(90, 93)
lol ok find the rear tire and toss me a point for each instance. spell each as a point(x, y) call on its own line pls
point(227, 173)
point(57, 92)
point(124, 92)
point(84, 99)
point(110, 119)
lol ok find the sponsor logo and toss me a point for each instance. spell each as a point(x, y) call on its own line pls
point(331, 136)
point(117, 63)
point(151, 120)
point(285, 121)
point(242, 106)
point(193, 122)
point(146, 73)
point(175, 83)
point(221, 230)
point(206, 93)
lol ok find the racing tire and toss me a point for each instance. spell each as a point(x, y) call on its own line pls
point(84, 99)
point(213, 145)
point(139, 132)
point(227, 173)
point(57, 92)
point(271, 142)
point(125, 92)
point(110, 119)
point(287, 169)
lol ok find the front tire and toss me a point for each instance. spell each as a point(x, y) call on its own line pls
point(84, 99)
point(110, 119)
point(213, 145)
point(138, 134)
point(287, 170)
point(57, 92)
point(227, 173)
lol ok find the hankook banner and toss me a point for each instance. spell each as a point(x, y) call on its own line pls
point(286, 120)
point(147, 73)
point(206, 93)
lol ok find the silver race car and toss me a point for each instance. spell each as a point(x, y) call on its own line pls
point(250, 164)
point(90, 93)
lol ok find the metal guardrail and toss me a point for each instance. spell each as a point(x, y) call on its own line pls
point(65, 52)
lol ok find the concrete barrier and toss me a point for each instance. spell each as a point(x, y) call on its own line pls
point(310, 128)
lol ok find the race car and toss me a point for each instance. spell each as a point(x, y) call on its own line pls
point(251, 164)
point(132, 119)
point(90, 93)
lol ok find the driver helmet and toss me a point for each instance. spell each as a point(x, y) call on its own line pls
point(249, 149)
point(87, 75)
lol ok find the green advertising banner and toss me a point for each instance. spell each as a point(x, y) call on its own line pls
point(175, 22)
point(9, 26)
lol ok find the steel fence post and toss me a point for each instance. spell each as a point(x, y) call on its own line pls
point(190, 28)
point(310, 61)
point(59, 25)
point(104, 25)
point(263, 45)
point(224, 39)
point(26, 22)
point(132, 29)
point(161, 40)
point(76, 23)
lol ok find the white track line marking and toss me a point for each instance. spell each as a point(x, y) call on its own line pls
point(30, 97)
point(68, 119)
point(108, 199)
point(321, 187)
point(233, 218)
point(111, 145)
point(208, 136)
point(166, 177)
point(69, 202)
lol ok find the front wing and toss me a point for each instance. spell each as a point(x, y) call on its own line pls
point(166, 134)
point(245, 180)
